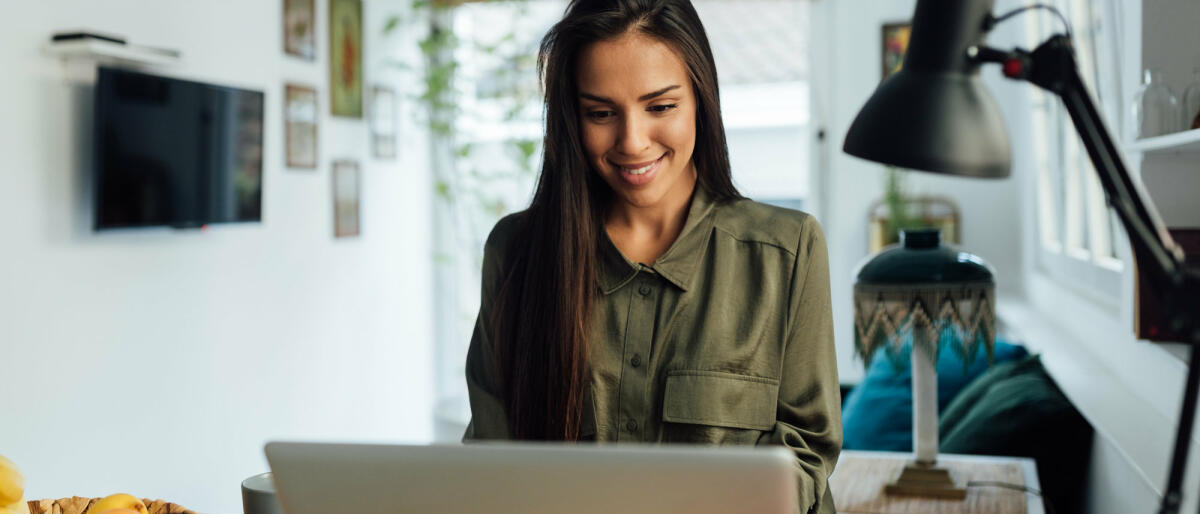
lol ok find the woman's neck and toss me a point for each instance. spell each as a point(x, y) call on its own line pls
point(645, 233)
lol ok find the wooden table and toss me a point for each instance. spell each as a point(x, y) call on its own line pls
point(857, 484)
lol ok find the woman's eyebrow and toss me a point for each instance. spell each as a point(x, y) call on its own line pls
point(642, 98)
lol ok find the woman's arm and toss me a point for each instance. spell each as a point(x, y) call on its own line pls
point(808, 418)
point(488, 418)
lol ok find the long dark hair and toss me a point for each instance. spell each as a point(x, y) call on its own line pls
point(543, 310)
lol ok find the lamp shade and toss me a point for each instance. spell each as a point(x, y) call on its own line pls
point(920, 291)
point(935, 114)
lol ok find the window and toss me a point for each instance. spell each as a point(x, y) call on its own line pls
point(486, 168)
point(1076, 228)
point(761, 50)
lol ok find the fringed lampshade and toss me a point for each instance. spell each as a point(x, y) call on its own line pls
point(937, 298)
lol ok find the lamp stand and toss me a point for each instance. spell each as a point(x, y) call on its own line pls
point(923, 477)
point(919, 479)
point(1052, 66)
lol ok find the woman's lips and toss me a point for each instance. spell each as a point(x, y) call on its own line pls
point(638, 174)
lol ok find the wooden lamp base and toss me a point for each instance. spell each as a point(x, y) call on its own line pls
point(926, 480)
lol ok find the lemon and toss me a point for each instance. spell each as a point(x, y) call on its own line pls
point(12, 484)
point(12, 489)
point(118, 501)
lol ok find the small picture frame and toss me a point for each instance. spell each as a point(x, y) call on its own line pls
point(383, 122)
point(895, 45)
point(299, 29)
point(346, 188)
point(345, 58)
point(300, 115)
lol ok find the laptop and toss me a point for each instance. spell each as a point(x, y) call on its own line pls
point(532, 478)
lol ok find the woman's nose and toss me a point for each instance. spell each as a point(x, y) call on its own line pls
point(634, 137)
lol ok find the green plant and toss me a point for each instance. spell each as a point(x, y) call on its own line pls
point(899, 205)
point(474, 196)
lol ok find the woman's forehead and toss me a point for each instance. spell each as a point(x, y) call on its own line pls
point(628, 67)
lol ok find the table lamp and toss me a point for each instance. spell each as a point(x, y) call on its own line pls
point(935, 115)
point(940, 299)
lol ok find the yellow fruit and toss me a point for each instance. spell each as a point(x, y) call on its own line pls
point(117, 502)
point(12, 486)
point(120, 511)
point(16, 508)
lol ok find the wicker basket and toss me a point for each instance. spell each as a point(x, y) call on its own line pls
point(79, 505)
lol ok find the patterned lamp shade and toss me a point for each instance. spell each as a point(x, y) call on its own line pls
point(935, 296)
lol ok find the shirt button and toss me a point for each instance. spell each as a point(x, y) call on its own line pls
point(636, 360)
point(631, 425)
point(644, 290)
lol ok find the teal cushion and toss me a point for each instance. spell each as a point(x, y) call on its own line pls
point(951, 417)
point(877, 414)
point(1015, 409)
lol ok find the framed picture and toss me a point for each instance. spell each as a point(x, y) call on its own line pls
point(345, 58)
point(383, 122)
point(895, 45)
point(345, 198)
point(300, 126)
point(299, 29)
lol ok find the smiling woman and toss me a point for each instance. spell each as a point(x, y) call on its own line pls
point(640, 297)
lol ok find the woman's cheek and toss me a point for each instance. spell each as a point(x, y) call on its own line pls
point(682, 128)
point(594, 142)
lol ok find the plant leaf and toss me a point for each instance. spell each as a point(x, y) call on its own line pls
point(391, 25)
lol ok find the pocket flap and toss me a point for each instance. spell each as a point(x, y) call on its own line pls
point(720, 399)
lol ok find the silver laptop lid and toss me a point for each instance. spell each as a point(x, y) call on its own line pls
point(529, 478)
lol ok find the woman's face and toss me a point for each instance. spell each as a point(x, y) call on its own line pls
point(638, 119)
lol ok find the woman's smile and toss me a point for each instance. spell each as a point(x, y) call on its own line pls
point(640, 173)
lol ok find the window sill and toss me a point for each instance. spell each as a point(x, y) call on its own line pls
point(1129, 391)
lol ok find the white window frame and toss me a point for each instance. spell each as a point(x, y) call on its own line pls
point(1076, 246)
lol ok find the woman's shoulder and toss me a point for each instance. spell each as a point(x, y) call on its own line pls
point(503, 233)
point(751, 221)
point(505, 229)
point(499, 241)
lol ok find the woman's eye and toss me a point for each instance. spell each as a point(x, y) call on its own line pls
point(661, 108)
point(600, 115)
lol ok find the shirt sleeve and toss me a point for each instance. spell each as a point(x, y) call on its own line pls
point(488, 417)
point(808, 417)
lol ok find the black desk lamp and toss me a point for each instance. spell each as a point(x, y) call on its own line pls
point(935, 115)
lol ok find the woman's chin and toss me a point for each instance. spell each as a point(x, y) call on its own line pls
point(640, 199)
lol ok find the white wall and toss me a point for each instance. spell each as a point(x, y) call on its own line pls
point(767, 162)
point(158, 362)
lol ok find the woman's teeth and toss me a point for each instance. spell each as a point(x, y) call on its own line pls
point(639, 171)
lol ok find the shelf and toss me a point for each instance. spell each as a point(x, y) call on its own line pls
point(105, 51)
point(1187, 141)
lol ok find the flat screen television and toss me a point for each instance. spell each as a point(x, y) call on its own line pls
point(175, 153)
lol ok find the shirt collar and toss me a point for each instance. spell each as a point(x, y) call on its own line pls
point(678, 265)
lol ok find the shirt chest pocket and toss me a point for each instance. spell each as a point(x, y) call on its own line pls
point(716, 407)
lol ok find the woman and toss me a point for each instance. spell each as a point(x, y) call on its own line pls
point(640, 297)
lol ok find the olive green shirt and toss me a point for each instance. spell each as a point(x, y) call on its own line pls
point(726, 339)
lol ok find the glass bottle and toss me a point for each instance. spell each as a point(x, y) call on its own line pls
point(1191, 102)
point(1155, 107)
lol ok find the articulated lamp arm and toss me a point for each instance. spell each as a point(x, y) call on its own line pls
point(1052, 67)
